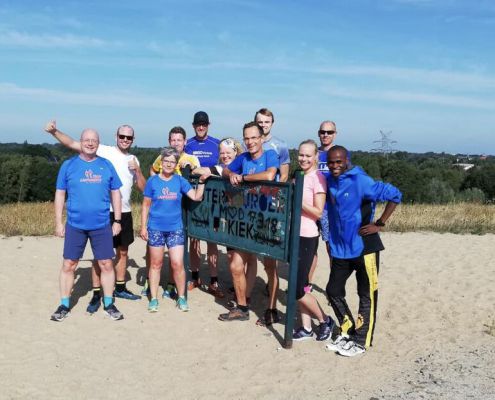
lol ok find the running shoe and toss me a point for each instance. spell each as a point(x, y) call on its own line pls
point(236, 314)
point(94, 305)
point(351, 349)
point(170, 292)
point(182, 304)
point(153, 305)
point(325, 330)
point(335, 345)
point(195, 283)
point(126, 294)
point(145, 291)
point(60, 313)
point(215, 290)
point(301, 334)
point(113, 313)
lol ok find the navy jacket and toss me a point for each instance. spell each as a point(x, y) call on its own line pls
point(351, 200)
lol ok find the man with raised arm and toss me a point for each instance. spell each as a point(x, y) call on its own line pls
point(90, 183)
point(254, 165)
point(129, 172)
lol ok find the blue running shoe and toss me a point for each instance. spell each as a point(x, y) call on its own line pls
point(170, 292)
point(113, 313)
point(325, 330)
point(182, 304)
point(153, 305)
point(60, 314)
point(126, 294)
point(302, 334)
point(94, 305)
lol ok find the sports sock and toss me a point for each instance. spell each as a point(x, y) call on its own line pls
point(120, 286)
point(243, 308)
point(97, 291)
point(65, 301)
point(107, 300)
point(195, 275)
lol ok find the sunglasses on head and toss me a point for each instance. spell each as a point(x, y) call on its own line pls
point(122, 137)
point(323, 133)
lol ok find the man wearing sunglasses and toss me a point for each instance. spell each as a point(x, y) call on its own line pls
point(205, 148)
point(129, 172)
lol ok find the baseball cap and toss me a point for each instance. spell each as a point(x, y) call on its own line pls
point(201, 118)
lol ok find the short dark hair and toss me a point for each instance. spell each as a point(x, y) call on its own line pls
point(338, 148)
point(266, 112)
point(252, 124)
point(177, 129)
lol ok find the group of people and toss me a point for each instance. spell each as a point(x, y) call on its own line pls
point(338, 203)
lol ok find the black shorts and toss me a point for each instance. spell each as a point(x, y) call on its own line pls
point(126, 235)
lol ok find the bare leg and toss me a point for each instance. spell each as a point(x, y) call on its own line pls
point(237, 263)
point(310, 308)
point(212, 258)
point(176, 256)
point(194, 255)
point(251, 272)
point(66, 277)
point(121, 262)
point(271, 272)
point(156, 261)
point(107, 277)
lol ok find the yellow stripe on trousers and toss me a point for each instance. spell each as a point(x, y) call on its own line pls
point(372, 272)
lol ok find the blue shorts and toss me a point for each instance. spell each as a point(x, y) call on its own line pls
point(162, 238)
point(101, 241)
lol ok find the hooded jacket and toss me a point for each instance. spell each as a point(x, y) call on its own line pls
point(351, 200)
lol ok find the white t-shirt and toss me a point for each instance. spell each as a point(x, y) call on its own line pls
point(120, 162)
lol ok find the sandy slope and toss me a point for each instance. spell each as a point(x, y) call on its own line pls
point(436, 295)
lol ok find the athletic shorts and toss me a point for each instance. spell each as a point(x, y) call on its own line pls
point(324, 226)
point(100, 240)
point(162, 238)
point(126, 235)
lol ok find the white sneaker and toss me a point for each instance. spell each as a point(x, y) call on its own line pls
point(335, 345)
point(351, 349)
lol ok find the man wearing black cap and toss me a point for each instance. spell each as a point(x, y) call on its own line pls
point(205, 148)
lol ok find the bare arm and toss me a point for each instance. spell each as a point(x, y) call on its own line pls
point(59, 208)
point(268, 175)
point(139, 177)
point(372, 228)
point(117, 210)
point(145, 209)
point(284, 172)
point(197, 194)
point(66, 140)
point(315, 210)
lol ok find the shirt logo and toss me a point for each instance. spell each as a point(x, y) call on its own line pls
point(90, 177)
point(167, 194)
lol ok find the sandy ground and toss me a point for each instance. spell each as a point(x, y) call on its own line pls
point(436, 298)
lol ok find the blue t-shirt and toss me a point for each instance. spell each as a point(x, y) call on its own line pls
point(245, 165)
point(280, 147)
point(166, 196)
point(206, 150)
point(88, 185)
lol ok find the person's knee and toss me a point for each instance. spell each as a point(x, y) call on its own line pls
point(334, 291)
point(69, 265)
point(122, 251)
point(106, 266)
point(300, 293)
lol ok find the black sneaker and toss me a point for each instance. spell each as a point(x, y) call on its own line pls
point(94, 304)
point(325, 330)
point(60, 313)
point(126, 294)
point(113, 313)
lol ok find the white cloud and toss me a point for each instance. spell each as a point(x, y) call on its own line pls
point(21, 39)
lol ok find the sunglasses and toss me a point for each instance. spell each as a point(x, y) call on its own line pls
point(129, 138)
point(323, 133)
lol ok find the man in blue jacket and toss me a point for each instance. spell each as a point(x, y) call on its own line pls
point(355, 246)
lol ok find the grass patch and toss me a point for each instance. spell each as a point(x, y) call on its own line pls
point(38, 219)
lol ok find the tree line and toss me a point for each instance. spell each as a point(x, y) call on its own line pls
point(28, 173)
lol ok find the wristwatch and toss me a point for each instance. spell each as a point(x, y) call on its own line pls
point(118, 221)
point(379, 222)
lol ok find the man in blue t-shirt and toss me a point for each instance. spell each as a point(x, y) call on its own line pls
point(254, 165)
point(205, 148)
point(90, 183)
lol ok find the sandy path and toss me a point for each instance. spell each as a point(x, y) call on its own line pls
point(436, 295)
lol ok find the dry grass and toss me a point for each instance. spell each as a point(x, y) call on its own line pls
point(37, 219)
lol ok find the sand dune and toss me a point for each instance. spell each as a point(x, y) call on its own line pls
point(436, 296)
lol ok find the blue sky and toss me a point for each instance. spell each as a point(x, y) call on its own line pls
point(422, 69)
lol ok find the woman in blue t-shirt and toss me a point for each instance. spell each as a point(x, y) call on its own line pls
point(161, 224)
